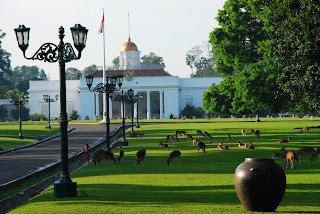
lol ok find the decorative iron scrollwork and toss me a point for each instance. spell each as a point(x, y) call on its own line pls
point(69, 53)
point(105, 88)
point(48, 52)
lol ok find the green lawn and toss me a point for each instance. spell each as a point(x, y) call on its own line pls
point(204, 183)
point(10, 131)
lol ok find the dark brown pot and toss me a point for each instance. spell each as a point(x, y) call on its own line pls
point(260, 184)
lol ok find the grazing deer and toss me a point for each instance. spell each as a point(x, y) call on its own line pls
point(85, 155)
point(199, 132)
point(101, 156)
point(241, 145)
point(117, 144)
point(120, 158)
point(250, 146)
point(305, 151)
point(141, 135)
point(183, 133)
point(284, 141)
point(278, 155)
point(229, 137)
point(222, 147)
point(140, 156)
point(207, 135)
point(305, 129)
point(257, 133)
point(252, 132)
point(243, 132)
point(189, 137)
point(195, 141)
point(133, 134)
point(163, 145)
point(202, 146)
point(290, 156)
point(174, 154)
point(168, 138)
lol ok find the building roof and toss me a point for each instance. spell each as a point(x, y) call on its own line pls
point(137, 73)
point(129, 46)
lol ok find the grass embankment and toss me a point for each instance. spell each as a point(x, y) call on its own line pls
point(204, 183)
point(10, 131)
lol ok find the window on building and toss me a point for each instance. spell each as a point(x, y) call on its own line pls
point(188, 100)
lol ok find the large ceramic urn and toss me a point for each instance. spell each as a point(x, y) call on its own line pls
point(260, 184)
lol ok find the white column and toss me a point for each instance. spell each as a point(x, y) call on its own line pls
point(161, 104)
point(148, 105)
point(110, 108)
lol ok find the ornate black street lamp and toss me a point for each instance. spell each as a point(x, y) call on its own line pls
point(63, 52)
point(132, 100)
point(123, 99)
point(49, 100)
point(140, 96)
point(108, 88)
point(20, 101)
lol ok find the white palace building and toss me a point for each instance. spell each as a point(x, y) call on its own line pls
point(163, 94)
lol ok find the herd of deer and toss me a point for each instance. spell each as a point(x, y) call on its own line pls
point(101, 156)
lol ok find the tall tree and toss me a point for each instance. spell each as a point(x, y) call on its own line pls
point(5, 68)
point(73, 74)
point(236, 41)
point(89, 70)
point(201, 58)
point(26, 73)
point(116, 61)
point(294, 44)
point(152, 59)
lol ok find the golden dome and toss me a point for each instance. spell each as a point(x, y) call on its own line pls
point(129, 46)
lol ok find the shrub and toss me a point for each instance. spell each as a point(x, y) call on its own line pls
point(190, 111)
point(74, 115)
point(37, 117)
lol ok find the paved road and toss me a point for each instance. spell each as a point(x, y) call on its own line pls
point(19, 163)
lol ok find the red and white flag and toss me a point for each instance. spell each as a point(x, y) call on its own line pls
point(102, 25)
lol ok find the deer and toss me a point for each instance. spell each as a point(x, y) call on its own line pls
point(305, 151)
point(174, 154)
point(141, 135)
point(250, 146)
point(132, 134)
point(207, 135)
point(229, 137)
point(189, 137)
point(290, 156)
point(278, 155)
point(120, 158)
point(222, 147)
point(85, 155)
point(305, 129)
point(163, 145)
point(101, 156)
point(140, 156)
point(243, 132)
point(202, 146)
point(257, 133)
point(168, 138)
point(199, 132)
point(183, 133)
point(284, 141)
point(195, 140)
point(117, 144)
point(252, 132)
point(241, 145)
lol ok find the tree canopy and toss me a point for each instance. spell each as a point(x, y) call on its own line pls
point(152, 59)
point(89, 70)
point(73, 74)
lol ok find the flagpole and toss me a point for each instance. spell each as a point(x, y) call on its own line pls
point(104, 74)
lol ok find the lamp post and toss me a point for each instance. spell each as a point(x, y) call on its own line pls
point(48, 99)
point(140, 96)
point(108, 88)
point(63, 52)
point(123, 98)
point(20, 101)
point(133, 99)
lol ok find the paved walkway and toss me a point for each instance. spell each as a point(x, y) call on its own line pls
point(16, 164)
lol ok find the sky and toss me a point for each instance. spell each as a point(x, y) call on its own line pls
point(169, 28)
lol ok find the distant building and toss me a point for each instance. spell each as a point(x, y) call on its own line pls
point(163, 94)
